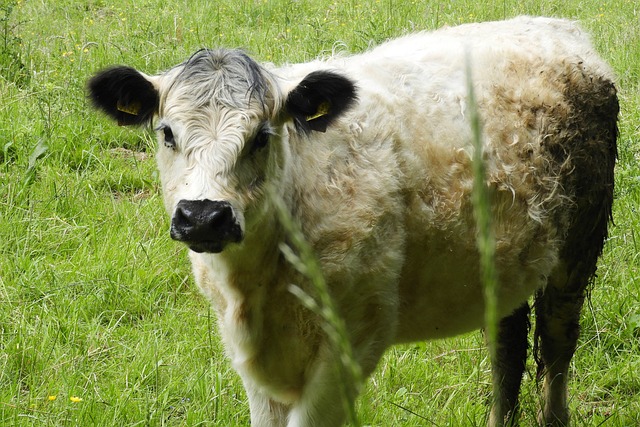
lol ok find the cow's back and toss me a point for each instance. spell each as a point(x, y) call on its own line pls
point(394, 186)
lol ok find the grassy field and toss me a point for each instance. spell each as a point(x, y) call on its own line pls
point(100, 323)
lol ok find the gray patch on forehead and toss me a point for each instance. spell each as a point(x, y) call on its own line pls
point(225, 76)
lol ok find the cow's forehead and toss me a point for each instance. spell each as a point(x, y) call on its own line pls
point(228, 78)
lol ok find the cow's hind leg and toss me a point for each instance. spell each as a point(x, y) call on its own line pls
point(508, 366)
point(558, 308)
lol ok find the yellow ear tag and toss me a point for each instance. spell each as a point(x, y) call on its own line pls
point(133, 108)
point(323, 110)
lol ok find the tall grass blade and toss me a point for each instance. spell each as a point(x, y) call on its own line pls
point(302, 257)
point(482, 211)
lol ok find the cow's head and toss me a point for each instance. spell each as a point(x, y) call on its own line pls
point(223, 125)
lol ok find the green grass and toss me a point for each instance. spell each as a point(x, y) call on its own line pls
point(96, 302)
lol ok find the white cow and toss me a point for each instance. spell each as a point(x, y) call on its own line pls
point(371, 155)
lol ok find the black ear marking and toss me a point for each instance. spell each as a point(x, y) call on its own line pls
point(320, 98)
point(124, 94)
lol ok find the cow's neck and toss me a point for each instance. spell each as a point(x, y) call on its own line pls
point(255, 263)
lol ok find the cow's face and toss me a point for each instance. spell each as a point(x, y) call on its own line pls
point(222, 123)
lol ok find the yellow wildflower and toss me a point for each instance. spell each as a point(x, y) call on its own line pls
point(75, 399)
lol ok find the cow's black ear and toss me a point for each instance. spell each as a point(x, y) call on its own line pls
point(125, 94)
point(319, 99)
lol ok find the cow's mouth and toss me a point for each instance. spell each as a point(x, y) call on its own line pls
point(205, 226)
point(206, 247)
point(209, 246)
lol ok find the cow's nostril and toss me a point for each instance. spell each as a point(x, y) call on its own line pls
point(218, 217)
point(205, 225)
point(180, 220)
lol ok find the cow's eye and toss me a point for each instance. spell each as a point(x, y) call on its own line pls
point(167, 136)
point(262, 138)
point(169, 140)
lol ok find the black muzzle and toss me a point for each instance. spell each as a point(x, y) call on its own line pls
point(205, 225)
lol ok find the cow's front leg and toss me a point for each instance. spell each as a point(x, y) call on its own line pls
point(324, 401)
point(265, 412)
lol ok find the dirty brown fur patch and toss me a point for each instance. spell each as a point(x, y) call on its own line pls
point(584, 153)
